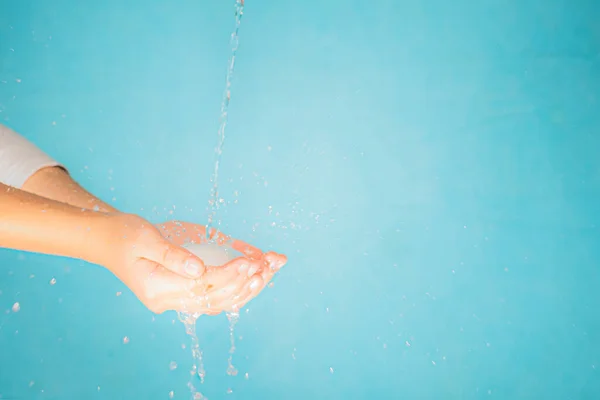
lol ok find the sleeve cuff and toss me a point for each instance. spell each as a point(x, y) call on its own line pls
point(20, 159)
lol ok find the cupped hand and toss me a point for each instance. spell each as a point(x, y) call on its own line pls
point(156, 270)
point(163, 275)
point(256, 266)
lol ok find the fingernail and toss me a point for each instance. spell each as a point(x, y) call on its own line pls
point(254, 285)
point(192, 269)
point(275, 261)
point(274, 265)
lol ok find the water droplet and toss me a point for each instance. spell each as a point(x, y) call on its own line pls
point(119, 293)
point(125, 340)
point(16, 307)
point(171, 394)
point(331, 369)
point(229, 391)
point(53, 281)
point(173, 366)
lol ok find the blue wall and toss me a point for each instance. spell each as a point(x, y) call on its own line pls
point(432, 170)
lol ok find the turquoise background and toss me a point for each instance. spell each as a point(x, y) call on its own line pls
point(432, 170)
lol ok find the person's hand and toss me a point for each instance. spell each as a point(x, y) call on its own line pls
point(261, 266)
point(165, 276)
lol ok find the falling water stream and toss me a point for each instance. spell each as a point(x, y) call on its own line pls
point(213, 201)
point(189, 320)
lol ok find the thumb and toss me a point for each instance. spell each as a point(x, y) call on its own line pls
point(176, 259)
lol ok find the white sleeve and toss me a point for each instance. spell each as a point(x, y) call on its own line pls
point(19, 158)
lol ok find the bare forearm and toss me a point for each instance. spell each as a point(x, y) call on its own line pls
point(56, 184)
point(32, 223)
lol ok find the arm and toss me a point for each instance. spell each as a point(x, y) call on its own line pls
point(25, 166)
point(56, 183)
point(128, 246)
point(55, 215)
point(32, 223)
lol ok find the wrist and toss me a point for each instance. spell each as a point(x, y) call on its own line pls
point(106, 237)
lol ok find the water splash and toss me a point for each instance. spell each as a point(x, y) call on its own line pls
point(213, 201)
point(233, 318)
point(189, 321)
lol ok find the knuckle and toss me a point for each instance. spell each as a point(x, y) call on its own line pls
point(166, 254)
point(172, 255)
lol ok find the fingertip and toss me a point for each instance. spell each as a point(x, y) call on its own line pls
point(194, 267)
point(244, 266)
point(276, 261)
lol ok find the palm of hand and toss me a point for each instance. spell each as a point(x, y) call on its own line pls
point(255, 269)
